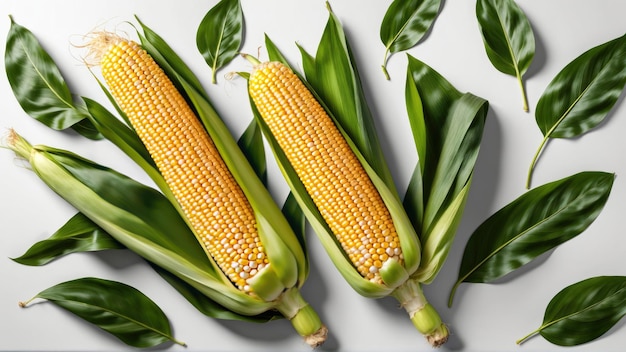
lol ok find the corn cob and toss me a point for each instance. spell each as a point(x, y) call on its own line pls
point(212, 201)
point(329, 170)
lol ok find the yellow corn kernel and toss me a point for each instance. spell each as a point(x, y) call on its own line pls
point(213, 202)
point(331, 173)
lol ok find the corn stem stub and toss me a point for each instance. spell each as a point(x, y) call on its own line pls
point(340, 188)
point(211, 200)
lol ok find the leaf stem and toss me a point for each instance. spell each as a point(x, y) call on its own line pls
point(24, 304)
point(531, 334)
point(384, 65)
point(534, 161)
point(524, 98)
point(452, 293)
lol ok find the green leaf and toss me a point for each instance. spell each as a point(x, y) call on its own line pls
point(536, 222)
point(220, 34)
point(447, 130)
point(135, 320)
point(405, 24)
point(508, 38)
point(584, 311)
point(39, 86)
point(79, 234)
point(581, 95)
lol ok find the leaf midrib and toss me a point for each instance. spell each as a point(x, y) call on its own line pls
point(406, 23)
point(41, 76)
point(547, 325)
point(114, 313)
point(509, 45)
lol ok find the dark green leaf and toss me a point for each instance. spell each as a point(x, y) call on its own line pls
point(79, 234)
point(536, 222)
point(508, 38)
point(584, 311)
point(220, 34)
point(39, 86)
point(583, 92)
point(135, 320)
point(581, 95)
point(405, 23)
point(447, 130)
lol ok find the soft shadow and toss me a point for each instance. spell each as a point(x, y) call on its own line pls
point(540, 57)
point(525, 269)
point(118, 258)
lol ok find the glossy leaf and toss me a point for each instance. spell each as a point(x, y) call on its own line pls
point(135, 320)
point(536, 222)
point(581, 95)
point(79, 234)
point(220, 34)
point(447, 130)
point(584, 311)
point(405, 24)
point(39, 86)
point(508, 38)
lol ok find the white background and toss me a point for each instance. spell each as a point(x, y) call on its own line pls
point(485, 317)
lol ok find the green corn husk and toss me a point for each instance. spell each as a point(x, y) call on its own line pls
point(429, 215)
